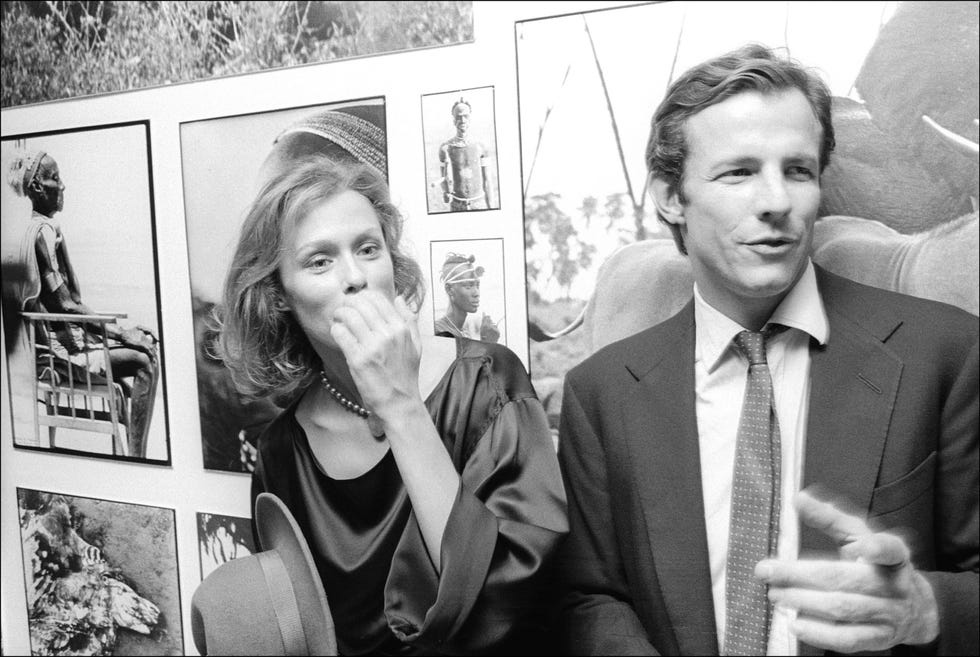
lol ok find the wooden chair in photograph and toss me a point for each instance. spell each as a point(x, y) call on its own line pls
point(70, 394)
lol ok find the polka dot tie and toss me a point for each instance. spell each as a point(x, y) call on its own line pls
point(754, 524)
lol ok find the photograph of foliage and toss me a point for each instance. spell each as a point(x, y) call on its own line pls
point(221, 539)
point(101, 576)
point(903, 177)
point(69, 48)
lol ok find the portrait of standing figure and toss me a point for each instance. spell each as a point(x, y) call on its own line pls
point(461, 170)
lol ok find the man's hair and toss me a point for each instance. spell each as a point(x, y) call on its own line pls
point(752, 67)
point(461, 101)
point(260, 341)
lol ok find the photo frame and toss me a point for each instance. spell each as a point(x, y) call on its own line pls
point(230, 421)
point(101, 576)
point(460, 144)
point(468, 282)
point(221, 539)
point(93, 388)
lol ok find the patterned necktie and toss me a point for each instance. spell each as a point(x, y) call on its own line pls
point(755, 504)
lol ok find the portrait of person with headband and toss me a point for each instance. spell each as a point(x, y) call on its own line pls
point(462, 283)
point(50, 284)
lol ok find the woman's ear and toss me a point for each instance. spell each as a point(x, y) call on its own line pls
point(666, 200)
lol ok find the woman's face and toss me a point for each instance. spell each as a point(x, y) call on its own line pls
point(335, 251)
point(465, 295)
point(48, 192)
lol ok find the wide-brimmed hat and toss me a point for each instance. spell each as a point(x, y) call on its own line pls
point(269, 603)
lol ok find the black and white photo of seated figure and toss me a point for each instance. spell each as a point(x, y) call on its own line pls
point(461, 169)
point(468, 289)
point(93, 385)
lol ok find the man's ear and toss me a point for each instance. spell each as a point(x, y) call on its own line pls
point(667, 202)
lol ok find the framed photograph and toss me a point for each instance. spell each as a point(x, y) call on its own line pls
point(224, 162)
point(468, 289)
point(221, 539)
point(460, 139)
point(589, 83)
point(79, 241)
point(101, 576)
point(88, 49)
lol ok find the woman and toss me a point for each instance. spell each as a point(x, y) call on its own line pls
point(50, 285)
point(462, 283)
point(421, 471)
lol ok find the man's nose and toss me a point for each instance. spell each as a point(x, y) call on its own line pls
point(774, 201)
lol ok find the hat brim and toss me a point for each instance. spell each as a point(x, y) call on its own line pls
point(278, 530)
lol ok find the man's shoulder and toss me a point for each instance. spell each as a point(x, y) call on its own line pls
point(864, 303)
point(645, 346)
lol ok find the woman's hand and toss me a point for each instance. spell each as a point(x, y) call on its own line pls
point(381, 343)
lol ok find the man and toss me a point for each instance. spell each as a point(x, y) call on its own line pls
point(677, 496)
point(464, 166)
point(462, 284)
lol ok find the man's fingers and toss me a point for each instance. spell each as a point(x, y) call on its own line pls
point(842, 637)
point(833, 606)
point(842, 527)
point(881, 548)
point(844, 576)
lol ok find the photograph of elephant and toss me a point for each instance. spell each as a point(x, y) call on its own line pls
point(81, 295)
point(221, 539)
point(899, 204)
point(67, 48)
point(236, 155)
point(468, 289)
point(460, 138)
point(101, 576)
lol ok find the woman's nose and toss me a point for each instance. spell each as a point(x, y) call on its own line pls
point(354, 277)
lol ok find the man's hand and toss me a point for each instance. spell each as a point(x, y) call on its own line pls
point(871, 599)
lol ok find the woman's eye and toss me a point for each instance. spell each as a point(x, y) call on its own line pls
point(370, 250)
point(735, 173)
point(318, 262)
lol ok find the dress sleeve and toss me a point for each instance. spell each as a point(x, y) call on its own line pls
point(507, 520)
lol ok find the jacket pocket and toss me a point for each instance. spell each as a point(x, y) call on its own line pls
point(906, 489)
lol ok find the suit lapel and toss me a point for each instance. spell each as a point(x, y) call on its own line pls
point(854, 384)
point(663, 442)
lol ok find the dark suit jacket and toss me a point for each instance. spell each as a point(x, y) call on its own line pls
point(892, 427)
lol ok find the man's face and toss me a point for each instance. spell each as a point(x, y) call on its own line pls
point(752, 187)
point(465, 295)
point(461, 117)
point(48, 192)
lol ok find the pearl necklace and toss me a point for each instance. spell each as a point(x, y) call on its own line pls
point(374, 424)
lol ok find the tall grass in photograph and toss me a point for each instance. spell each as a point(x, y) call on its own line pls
point(61, 49)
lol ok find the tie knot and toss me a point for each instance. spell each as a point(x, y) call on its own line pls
point(753, 345)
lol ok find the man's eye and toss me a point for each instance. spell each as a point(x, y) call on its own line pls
point(801, 173)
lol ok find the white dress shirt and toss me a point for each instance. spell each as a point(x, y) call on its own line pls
point(721, 371)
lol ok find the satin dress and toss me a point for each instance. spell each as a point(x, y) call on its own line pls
point(508, 517)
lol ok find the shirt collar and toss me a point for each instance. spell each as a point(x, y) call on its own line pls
point(801, 309)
